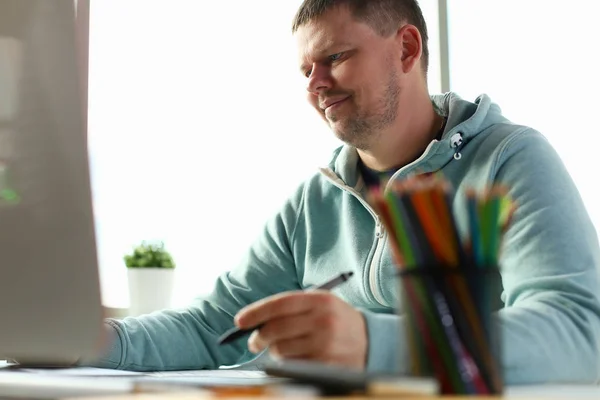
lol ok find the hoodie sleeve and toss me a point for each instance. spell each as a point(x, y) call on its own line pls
point(550, 325)
point(187, 339)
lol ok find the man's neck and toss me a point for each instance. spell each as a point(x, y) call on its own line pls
point(405, 140)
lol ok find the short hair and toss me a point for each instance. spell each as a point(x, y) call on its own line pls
point(383, 16)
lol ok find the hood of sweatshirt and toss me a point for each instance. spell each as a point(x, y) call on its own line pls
point(466, 120)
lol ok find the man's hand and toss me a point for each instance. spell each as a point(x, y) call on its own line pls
point(313, 325)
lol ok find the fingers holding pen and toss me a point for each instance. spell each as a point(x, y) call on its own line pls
point(274, 307)
point(281, 330)
point(314, 325)
point(283, 317)
point(303, 315)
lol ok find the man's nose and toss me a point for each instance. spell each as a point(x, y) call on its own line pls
point(319, 80)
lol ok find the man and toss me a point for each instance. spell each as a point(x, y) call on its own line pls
point(365, 64)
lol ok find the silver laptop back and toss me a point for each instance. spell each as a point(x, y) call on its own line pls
point(50, 309)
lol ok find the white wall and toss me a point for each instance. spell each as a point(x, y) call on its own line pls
point(199, 130)
point(538, 59)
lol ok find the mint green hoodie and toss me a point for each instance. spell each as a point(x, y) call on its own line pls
point(550, 315)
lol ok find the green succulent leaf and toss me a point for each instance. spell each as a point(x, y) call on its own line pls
point(149, 255)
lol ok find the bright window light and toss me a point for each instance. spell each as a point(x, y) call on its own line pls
point(199, 130)
point(536, 59)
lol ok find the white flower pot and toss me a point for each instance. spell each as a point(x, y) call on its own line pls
point(150, 289)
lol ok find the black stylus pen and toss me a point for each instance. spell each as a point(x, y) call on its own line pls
point(236, 333)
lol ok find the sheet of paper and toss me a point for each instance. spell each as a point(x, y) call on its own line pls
point(216, 373)
point(81, 372)
point(209, 378)
point(17, 384)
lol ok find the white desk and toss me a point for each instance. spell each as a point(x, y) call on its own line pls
point(85, 382)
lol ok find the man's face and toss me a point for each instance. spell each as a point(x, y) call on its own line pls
point(352, 75)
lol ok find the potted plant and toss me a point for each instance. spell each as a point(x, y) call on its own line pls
point(150, 271)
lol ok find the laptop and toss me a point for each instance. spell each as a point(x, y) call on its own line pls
point(50, 305)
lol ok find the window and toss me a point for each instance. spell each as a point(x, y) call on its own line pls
point(536, 59)
point(199, 130)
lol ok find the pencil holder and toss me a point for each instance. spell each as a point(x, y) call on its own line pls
point(449, 326)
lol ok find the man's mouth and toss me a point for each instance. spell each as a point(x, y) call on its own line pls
point(330, 105)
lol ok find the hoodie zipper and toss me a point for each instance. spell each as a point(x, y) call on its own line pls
point(456, 142)
point(380, 232)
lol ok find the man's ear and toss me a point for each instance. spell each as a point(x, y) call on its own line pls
point(411, 45)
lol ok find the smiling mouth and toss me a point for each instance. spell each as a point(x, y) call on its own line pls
point(335, 105)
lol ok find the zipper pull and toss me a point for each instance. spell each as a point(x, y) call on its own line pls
point(379, 230)
point(456, 142)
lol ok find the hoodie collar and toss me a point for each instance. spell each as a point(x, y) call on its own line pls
point(467, 119)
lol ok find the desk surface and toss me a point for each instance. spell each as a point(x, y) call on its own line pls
point(122, 385)
point(201, 396)
point(556, 392)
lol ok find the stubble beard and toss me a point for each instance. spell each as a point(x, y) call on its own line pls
point(362, 130)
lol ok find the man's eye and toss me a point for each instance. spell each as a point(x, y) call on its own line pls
point(335, 57)
point(307, 73)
